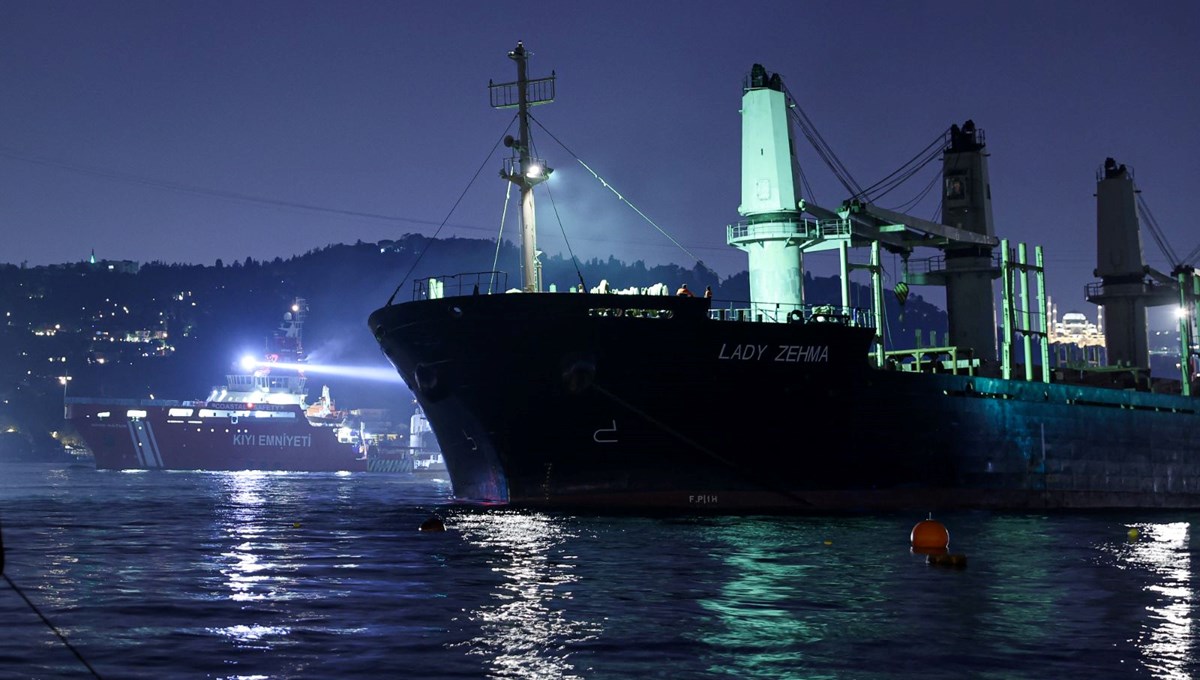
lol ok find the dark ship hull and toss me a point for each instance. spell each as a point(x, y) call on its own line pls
point(684, 411)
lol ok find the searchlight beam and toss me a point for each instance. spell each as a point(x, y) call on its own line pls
point(380, 374)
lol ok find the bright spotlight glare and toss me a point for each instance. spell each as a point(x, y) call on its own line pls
point(248, 362)
point(362, 372)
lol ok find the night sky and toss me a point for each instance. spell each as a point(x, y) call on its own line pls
point(191, 131)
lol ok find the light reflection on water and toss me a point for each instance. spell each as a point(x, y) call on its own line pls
point(315, 576)
point(269, 558)
point(248, 575)
point(788, 597)
point(1020, 596)
point(526, 629)
point(1163, 552)
point(759, 609)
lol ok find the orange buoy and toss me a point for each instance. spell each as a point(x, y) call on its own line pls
point(930, 534)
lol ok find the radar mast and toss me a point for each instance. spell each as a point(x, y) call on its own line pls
point(523, 168)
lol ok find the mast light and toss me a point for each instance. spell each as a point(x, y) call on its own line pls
point(537, 170)
point(533, 171)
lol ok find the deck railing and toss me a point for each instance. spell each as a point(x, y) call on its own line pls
point(790, 313)
point(492, 282)
point(470, 283)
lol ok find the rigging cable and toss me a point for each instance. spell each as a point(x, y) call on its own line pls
point(923, 158)
point(905, 207)
point(1144, 210)
point(203, 191)
point(616, 193)
point(822, 148)
point(1160, 238)
point(561, 229)
point(447, 219)
point(499, 236)
point(807, 188)
point(574, 260)
point(937, 210)
point(905, 177)
point(1190, 258)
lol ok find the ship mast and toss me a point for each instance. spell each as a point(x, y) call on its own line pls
point(523, 169)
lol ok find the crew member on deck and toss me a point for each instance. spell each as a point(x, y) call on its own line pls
point(684, 292)
point(708, 292)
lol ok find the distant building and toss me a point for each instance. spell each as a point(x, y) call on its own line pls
point(121, 266)
point(1076, 341)
point(1074, 328)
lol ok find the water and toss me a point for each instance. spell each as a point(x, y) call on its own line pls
point(253, 575)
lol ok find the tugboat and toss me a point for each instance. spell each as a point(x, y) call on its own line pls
point(259, 420)
point(624, 402)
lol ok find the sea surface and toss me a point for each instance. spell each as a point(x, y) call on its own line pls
point(300, 575)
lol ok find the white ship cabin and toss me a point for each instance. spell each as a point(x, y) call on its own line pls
point(188, 413)
point(262, 389)
point(233, 414)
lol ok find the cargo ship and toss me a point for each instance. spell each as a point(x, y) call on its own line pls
point(645, 401)
point(260, 419)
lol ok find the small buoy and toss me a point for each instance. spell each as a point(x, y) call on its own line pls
point(956, 561)
point(930, 534)
point(1133, 534)
point(828, 542)
point(433, 524)
point(295, 525)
